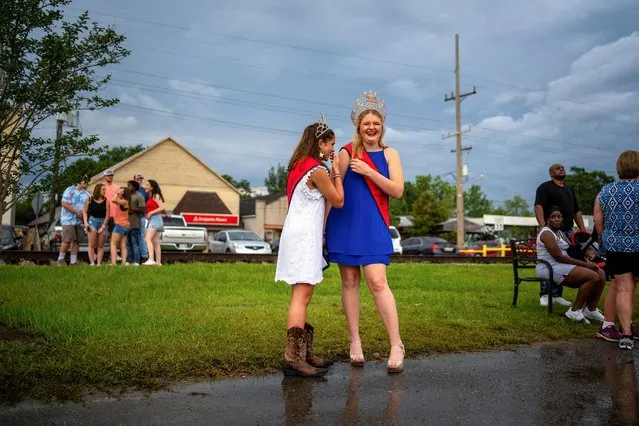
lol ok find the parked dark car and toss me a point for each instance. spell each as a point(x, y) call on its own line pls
point(9, 239)
point(275, 246)
point(428, 245)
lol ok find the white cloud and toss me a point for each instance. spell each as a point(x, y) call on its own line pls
point(515, 43)
point(189, 87)
point(137, 98)
point(148, 101)
point(407, 89)
point(101, 120)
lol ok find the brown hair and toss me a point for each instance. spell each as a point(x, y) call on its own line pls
point(97, 191)
point(155, 189)
point(308, 146)
point(628, 165)
point(358, 145)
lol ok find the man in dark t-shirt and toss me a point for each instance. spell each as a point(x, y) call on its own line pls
point(555, 193)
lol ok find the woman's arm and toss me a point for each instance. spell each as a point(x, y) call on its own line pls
point(598, 218)
point(85, 213)
point(553, 248)
point(108, 213)
point(332, 191)
point(119, 201)
point(392, 186)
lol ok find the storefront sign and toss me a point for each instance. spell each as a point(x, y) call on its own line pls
point(211, 219)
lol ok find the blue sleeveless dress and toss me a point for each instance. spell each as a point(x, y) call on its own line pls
point(356, 234)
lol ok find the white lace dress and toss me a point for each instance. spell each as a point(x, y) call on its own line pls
point(299, 258)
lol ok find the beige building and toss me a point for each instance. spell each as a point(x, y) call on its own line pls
point(265, 215)
point(190, 187)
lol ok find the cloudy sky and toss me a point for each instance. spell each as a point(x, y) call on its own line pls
point(237, 81)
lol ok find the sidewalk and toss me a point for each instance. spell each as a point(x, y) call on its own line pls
point(581, 382)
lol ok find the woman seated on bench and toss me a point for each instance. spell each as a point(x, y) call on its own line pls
point(552, 246)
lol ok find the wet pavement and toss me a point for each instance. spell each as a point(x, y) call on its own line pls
point(581, 382)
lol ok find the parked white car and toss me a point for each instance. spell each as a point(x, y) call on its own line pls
point(238, 241)
point(397, 239)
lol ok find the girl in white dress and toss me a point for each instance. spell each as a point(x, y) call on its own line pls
point(309, 187)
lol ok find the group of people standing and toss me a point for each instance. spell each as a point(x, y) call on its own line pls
point(129, 217)
point(330, 205)
point(616, 217)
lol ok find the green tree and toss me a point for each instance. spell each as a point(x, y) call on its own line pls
point(90, 167)
point(48, 65)
point(516, 206)
point(24, 211)
point(476, 204)
point(437, 189)
point(276, 180)
point(114, 155)
point(244, 186)
point(587, 185)
point(427, 214)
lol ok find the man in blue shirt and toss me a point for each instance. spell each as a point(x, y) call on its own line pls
point(73, 200)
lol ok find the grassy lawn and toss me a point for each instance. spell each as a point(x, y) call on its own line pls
point(113, 328)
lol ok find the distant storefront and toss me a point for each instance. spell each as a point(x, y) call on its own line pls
point(265, 215)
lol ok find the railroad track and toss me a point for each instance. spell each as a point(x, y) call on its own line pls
point(46, 257)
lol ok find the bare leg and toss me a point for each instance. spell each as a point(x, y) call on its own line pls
point(115, 240)
point(148, 239)
point(64, 247)
point(123, 249)
point(590, 286)
point(384, 300)
point(351, 304)
point(301, 295)
point(610, 304)
point(100, 244)
point(93, 236)
point(625, 291)
point(157, 249)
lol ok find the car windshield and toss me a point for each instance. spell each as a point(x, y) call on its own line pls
point(243, 236)
point(6, 235)
point(393, 233)
point(172, 221)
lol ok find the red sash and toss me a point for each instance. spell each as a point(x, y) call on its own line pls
point(299, 170)
point(380, 197)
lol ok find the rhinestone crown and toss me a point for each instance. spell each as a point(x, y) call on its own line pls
point(368, 100)
point(322, 126)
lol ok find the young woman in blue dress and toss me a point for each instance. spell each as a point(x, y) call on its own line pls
point(357, 235)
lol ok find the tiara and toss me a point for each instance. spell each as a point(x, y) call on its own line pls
point(367, 101)
point(322, 126)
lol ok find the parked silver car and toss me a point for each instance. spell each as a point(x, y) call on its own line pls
point(238, 241)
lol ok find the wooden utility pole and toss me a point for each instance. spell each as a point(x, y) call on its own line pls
point(458, 97)
point(55, 170)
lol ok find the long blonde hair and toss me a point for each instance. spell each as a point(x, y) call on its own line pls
point(358, 145)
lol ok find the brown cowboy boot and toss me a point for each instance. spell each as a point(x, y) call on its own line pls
point(295, 355)
point(311, 359)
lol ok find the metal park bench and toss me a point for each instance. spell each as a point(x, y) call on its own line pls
point(524, 256)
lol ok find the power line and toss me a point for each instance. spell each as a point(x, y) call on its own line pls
point(250, 104)
point(267, 42)
point(328, 52)
point(305, 113)
point(342, 107)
